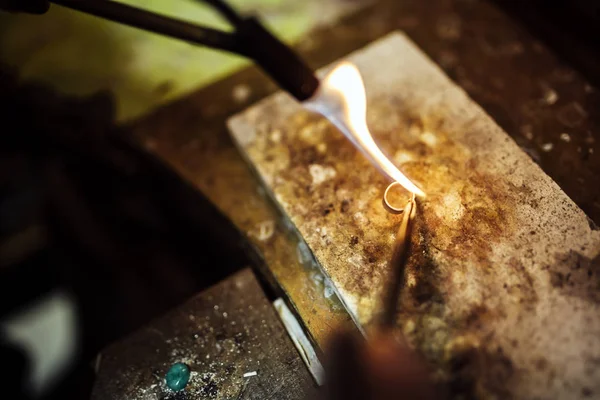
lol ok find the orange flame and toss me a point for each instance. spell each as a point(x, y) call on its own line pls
point(341, 98)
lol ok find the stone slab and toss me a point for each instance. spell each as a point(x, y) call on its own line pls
point(501, 293)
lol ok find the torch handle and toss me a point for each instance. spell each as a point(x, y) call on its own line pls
point(149, 21)
point(251, 39)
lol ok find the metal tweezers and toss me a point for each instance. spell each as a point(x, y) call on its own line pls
point(249, 39)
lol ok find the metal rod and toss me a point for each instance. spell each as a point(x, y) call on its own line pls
point(149, 21)
point(225, 10)
point(251, 39)
point(398, 265)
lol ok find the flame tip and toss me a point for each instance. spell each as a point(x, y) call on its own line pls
point(342, 99)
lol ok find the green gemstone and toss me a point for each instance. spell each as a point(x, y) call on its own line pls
point(178, 376)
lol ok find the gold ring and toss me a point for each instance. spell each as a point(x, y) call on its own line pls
point(386, 203)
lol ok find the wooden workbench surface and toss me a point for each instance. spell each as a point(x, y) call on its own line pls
point(222, 334)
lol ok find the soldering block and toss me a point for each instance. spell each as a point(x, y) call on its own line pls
point(501, 292)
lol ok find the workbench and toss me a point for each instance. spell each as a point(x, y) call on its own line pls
point(230, 337)
point(546, 106)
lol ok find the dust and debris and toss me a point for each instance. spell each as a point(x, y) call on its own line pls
point(429, 138)
point(328, 290)
point(360, 218)
point(565, 137)
point(527, 131)
point(320, 282)
point(449, 27)
point(275, 136)
point(572, 115)
point(550, 96)
point(451, 206)
point(304, 254)
point(495, 47)
point(321, 173)
point(547, 147)
point(589, 138)
point(447, 59)
point(402, 157)
point(576, 275)
point(564, 74)
point(241, 93)
point(264, 230)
